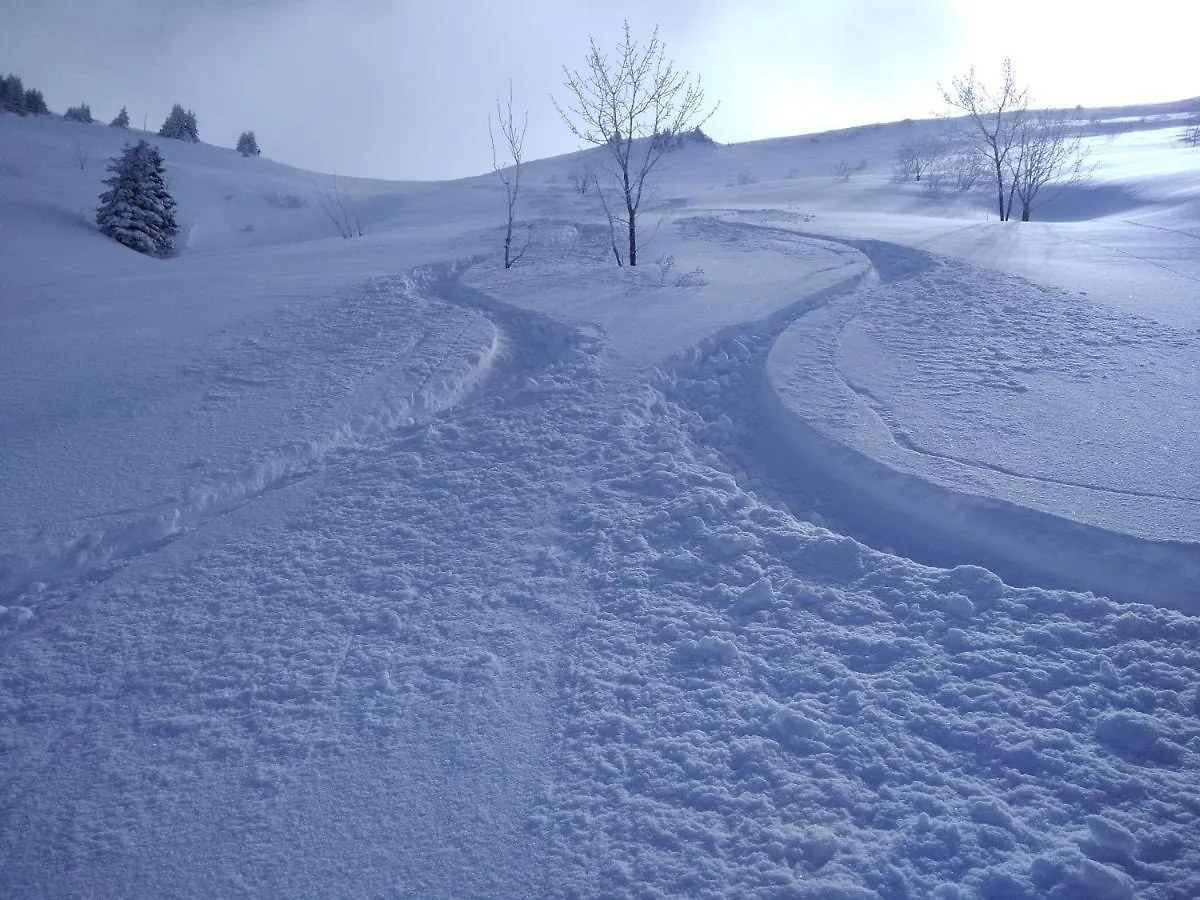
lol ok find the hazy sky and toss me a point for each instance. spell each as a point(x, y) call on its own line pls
point(402, 88)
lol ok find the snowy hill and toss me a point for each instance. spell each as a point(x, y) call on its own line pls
point(364, 567)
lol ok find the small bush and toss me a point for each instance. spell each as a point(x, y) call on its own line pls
point(581, 180)
point(81, 113)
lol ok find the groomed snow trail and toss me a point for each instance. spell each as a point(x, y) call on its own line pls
point(570, 638)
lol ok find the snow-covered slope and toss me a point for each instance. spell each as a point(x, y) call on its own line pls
point(368, 568)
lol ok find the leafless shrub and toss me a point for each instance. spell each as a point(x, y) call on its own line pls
point(81, 153)
point(693, 278)
point(580, 180)
point(338, 207)
point(957, 167)
point(1191, 136)
point(665, 263)
point(285, 201)
point(745, 177)
point(510, 174)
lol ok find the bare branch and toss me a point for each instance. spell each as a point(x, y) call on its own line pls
point(1048, 153)
point(993, 122)
point(510, 172)
point(625, 104)
point(339, 208)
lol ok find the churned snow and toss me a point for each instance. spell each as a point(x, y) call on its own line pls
point(368, 568)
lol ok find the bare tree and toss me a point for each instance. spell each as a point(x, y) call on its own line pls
point(510, 174)
point(82, 154)
point(619, 104)
point(994, 120)
point(581, 179)
point(1048, 151)
point(916, 159)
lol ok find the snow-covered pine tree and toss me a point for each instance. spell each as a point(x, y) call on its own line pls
point(247, 144)
point(122, 119)
point(81, 113)
point(180, 125)
point(12, 95)
point(35, 103)
point(137, 210)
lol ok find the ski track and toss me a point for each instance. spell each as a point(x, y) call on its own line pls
point(919, 351)
point(396, 358)
point(577, 636)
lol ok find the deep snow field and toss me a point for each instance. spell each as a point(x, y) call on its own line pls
point(855, 554)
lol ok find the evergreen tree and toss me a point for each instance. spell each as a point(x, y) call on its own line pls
point(81, 113)
point(14, 98)
point(137, 210)
point(180, 125)
point(12, 95)
point(35, 103)
point(122, 119)
point(247, 144)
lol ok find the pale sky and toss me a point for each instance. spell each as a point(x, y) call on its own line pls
point(403, 88)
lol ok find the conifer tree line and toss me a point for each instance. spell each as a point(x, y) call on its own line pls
point(16, 98)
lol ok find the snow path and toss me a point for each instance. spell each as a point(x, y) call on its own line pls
point(759, 707)
point(343, 685)
point(568, 638)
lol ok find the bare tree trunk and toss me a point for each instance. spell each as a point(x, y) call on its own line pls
point(632, 237)
point(1000, 189)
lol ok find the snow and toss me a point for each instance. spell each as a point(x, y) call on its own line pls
point(368, 568)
